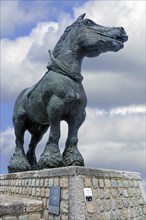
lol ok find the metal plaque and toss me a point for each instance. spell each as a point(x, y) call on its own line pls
point(88, 194)
point(54, 200)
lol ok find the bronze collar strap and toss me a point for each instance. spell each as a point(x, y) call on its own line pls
point(57, 67)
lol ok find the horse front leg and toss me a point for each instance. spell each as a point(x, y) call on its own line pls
point(71, 154)
point(51, 157)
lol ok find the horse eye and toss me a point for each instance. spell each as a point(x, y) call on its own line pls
point(89, 22)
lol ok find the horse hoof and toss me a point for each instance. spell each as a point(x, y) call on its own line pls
point(18, 163)
point(51, 158)
point(32, 161)
point(72, 157)
point(34, 167)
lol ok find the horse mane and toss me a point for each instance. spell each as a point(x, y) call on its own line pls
point(58, 46)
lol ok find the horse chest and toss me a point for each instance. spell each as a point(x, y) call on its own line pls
point(75, 95)
point(66, 89)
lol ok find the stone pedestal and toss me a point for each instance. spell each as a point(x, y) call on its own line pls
point(116, 194)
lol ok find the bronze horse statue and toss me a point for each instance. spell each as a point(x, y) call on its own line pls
point(60, 95)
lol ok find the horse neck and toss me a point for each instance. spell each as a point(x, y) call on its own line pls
point(71, 58)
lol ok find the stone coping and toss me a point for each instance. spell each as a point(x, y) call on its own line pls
point(16, 205)
point(73, 171)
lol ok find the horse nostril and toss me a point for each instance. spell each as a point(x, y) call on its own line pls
point(122, 38)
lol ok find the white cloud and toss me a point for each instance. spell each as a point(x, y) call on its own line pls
point(108, 90)
point(129, 110)
point(113, 127)
point(113, 137)
point(7, 141)
point(25, 58)
point(106, 139)
point(130, 15)
point(14, 14)
point(7, 138)
point(143, 189)
point(8, 10)
point(21, 63)
point(120, 77)
point(114, 13)
point(116, 79)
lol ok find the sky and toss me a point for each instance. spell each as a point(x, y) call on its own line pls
point(113, 134)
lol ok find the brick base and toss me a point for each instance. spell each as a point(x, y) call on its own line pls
point(116, 194)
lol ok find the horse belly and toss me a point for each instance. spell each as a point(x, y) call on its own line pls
point(38, 114)
point(35, 109)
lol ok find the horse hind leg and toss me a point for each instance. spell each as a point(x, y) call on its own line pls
point(18, 161)
point(31, 153)
point(37, 132)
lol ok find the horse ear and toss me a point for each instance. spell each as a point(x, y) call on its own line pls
point(81, 17)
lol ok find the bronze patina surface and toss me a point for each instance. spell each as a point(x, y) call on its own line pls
point(60, 95)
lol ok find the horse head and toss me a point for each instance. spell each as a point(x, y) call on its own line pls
point(95, 39)
point(85, 38)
